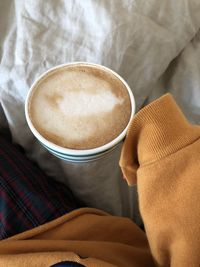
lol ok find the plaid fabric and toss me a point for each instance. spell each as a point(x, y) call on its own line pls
point(28, 198)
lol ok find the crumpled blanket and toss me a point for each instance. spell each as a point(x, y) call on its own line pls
point(154, 45)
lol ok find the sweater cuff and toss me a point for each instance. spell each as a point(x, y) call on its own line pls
point(156, 131)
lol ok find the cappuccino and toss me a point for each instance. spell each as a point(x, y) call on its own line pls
point(79, 106)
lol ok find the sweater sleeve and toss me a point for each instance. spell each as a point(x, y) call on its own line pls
point(162, 155)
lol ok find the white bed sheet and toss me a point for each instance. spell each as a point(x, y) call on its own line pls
point(154, 45)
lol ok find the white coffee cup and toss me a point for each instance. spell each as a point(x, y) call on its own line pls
point(79, 155)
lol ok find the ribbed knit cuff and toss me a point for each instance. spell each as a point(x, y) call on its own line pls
point(157, 130)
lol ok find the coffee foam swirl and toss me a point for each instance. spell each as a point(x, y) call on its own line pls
point(80, 108)
point(80, 104)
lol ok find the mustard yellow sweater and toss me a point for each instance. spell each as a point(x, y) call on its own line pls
point(162, 154)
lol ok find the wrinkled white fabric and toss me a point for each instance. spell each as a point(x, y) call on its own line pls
point(154, 45)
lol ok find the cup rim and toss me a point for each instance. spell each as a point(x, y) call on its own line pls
point(78, 152)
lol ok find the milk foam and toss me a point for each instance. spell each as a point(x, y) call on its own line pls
point(80, 109)
point(79, 104)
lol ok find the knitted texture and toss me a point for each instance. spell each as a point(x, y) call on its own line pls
point(162, 154)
